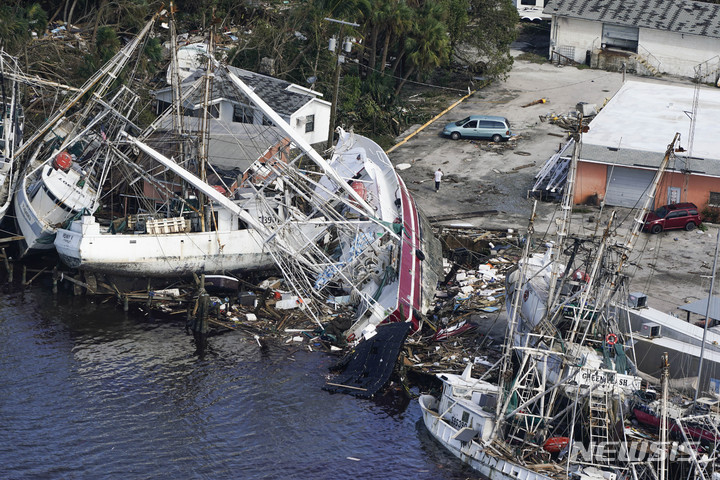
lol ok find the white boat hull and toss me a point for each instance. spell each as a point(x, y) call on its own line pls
point(163, 255)
point(473, 452)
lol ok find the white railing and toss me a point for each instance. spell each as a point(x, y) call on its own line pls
point(651, 59)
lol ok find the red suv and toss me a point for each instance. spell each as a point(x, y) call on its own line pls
point(670, 217)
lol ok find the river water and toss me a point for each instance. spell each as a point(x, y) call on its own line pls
point(88, 391)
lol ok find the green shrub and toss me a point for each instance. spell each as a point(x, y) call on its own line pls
point(532, 57)
point(710, 214)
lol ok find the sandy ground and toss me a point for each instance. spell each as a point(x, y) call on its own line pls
point(671, 268)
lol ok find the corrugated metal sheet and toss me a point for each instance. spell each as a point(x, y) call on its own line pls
point(680, 16)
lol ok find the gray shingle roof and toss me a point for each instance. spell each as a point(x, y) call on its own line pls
point(680, 16)
point(272, 90)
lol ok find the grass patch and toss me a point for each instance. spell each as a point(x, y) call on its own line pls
point(532, 57)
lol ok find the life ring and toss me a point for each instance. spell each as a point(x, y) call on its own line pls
point(526, 294)
point(611, 339)
point(351, 338)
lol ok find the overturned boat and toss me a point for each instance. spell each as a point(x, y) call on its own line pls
point(345, 232)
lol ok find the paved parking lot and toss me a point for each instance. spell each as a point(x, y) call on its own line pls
point(672, 268)
point(480, 175)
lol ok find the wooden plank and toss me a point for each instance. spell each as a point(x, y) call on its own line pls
point(11, 239)
point(345, 386)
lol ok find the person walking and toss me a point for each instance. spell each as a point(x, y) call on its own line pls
point(438, 177)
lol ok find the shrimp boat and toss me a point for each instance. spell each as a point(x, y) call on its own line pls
point(344, 230)
point(66, 157)
point(178, 223)
point(567, 380)
point(11, 129)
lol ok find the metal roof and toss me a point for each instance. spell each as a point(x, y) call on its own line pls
point(699, 307)
point(637, 124)
point(233, 146)
point(680, 16)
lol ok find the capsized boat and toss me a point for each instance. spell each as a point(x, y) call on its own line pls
point(397, 270)
point(344, 230)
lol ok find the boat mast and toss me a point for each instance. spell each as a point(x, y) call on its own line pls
point(204, 133)
point(707, 316)
point(175, 78)
point(566, 207)
point(664, 378)
point(506, 369)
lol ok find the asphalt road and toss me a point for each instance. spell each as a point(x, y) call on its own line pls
point(672, 268)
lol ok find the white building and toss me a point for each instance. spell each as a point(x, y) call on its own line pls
point(678, 37)
point(302, 108)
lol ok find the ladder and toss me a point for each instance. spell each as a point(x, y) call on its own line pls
point(599, 425)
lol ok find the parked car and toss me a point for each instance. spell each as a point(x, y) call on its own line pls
point(479, 126)
point(671, 217)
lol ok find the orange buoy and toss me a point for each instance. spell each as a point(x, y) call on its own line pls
point(62, 161)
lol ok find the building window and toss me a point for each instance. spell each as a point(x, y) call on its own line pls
point(242, 114)
point(161, 107)
point(714, 199)
point(309, 123)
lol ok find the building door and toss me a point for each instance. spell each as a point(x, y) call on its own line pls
point(673, 195)
point(626, 186)
point(620, 36)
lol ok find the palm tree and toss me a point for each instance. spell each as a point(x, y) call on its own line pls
point(400, 21)
point(14, 27)
point(428, 45)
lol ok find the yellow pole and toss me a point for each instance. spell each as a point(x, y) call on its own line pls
point(429, 122)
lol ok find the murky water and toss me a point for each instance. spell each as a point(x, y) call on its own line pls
point(87, 391)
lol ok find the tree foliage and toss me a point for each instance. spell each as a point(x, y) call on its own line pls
point(396, 42)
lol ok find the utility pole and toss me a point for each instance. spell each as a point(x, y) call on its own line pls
point(339, 60)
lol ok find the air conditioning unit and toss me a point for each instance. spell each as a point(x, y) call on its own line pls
point(637, 300)
point(301, 121)
point(650, 330)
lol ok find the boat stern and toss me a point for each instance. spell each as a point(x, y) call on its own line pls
point(69, 241)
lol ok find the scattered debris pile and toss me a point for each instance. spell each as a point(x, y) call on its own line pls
point(464, 326)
